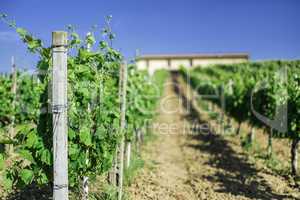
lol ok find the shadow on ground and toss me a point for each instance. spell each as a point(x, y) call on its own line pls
point(234, 173)
point(32, 192)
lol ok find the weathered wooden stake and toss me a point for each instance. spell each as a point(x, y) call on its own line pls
point(85, 188)
point(128, 153)
point(270, 151)
point(112, 174)
point(252, 134)
point(88, 46)
point(123, 88)
point(10, 147)
point(137, 140)
point(59, 109)
point(85, 179)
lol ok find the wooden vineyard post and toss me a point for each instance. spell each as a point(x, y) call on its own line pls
point(14, 94)
point(59, 112)
point(252, 134)
point(269, 148)
point(112, 178)
point(137, 140)
point(128, 153)
point(85, 179)
point(123, 88)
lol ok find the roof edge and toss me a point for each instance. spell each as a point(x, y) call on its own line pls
point(202, 55)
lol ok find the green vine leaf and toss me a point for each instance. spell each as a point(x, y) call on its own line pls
point(26, 176)
point(26, 154)
point(1, 161)
point(85, 136)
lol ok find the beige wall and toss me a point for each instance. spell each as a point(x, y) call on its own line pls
point(154, 64)
point(211, 61)
point(141, 64)
point(157, 64)
point(176, 63)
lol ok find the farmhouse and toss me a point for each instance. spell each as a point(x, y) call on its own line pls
point(173, 62)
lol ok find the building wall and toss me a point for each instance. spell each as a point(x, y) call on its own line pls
point(211, 61)
point(141, 64)
point(156, 64)
point(174, 64)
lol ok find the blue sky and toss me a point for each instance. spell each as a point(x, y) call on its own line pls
point(266, 29)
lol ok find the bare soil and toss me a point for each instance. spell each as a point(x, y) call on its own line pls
point(190, 161)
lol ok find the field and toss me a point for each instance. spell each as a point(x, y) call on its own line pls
point(90, 125)
point(186, 163)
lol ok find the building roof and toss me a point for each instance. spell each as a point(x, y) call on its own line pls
point(196, 55)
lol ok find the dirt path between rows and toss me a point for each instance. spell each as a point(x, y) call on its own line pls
point(189, 162)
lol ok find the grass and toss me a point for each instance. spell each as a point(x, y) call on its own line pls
point(213, 115)
point(135, 165)
point(137, 161)
point(108, 192)
point(250, 146)
point(203, 104)
point(271, 162)
point(254, 148)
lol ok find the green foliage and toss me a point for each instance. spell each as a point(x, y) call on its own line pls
point(143, 93)
point(274, 164)
point(238, 82)
point(27, 99)
point(26, 175)
point(93, 110)
point(7, 181)
point(1, 161)
point(109, 193)
point(6, 99)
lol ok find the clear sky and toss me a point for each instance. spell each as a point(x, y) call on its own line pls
point(266, 29)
